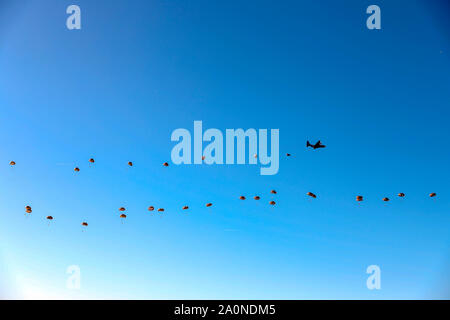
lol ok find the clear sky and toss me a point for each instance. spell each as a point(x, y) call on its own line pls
point(137, 70)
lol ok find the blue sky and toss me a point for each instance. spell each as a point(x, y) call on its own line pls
point(116, 89)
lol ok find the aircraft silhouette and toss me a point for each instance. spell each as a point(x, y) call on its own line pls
point(315, 146)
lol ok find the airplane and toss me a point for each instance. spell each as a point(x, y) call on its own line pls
point(315, 146)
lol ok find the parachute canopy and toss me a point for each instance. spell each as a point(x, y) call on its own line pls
point(123, 215)
point(151, 208)
point(272, 202)
point(28, 209)
point(13, 163)
point(91, 160)
point(359, 198)
point(385, 199)
point(433, 194)
point(165, 164)
point(242, 197)
point(311, 194)
point(130, 163)
point(185, 207)
point(84, 224)
point(121, 209)
point(209, 204)
point(76, 169)
point(273, 192)
point(256, 197)
point(49, 218)
point(161, 209)
point(401, 194)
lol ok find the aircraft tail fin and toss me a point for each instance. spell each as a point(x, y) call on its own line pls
point(308, 144)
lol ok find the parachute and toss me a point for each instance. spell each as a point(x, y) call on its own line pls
point(311, 195)
point(151, 208)
point(28, 209)
point(121, 209)
point(123, 216)
point(273, 192)
point(84, 224)
point(91, 160)
point(359, 198)
point(185, 207)
point(242, 197)
point(76, 169)
point(12, 163)
point(209, 204)
point(49, 219)
point(272, 203)
point(401, 194)
point(161, 210)
point(386, 199)
point(165, 164)
point(433, 194)
point(130, 163)
point(288, 154)
point(256, 197)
